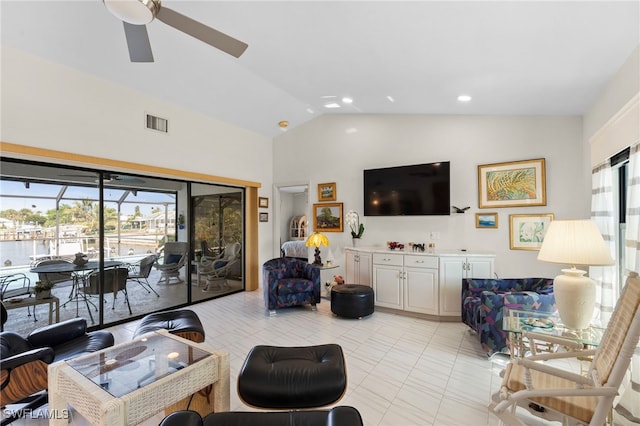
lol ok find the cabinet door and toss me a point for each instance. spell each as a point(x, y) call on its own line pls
point(357, 267)
point(480, 267)
point(350, 266)
point(421, 290)
point(452, 271)
point(364, 269)
point(387, 286)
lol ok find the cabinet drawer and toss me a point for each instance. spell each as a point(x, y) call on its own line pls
point(387, 259)
point(420, 261)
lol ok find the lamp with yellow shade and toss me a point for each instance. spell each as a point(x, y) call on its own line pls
point(316, 240)
point(575, 242)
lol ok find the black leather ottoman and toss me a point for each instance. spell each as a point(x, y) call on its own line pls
point(184, 323)
point(337, 416)
point(352, 300)
point(293, 377)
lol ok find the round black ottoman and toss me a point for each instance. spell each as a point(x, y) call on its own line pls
point(352, 300)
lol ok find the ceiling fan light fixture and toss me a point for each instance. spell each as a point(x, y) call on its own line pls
point(136, 12)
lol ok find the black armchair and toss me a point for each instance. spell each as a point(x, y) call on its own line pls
point(337, 416)
point(24, 361)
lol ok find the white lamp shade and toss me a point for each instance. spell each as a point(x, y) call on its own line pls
point(575, 242)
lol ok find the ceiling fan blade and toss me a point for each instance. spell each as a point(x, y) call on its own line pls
point(202, 32)
point(138, 42)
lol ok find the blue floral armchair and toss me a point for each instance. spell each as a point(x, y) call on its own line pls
point(290, 282)
point(484, 300)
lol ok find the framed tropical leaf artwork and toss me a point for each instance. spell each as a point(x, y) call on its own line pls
point(513, 184)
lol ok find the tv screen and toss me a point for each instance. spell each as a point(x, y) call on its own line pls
point(421, 189)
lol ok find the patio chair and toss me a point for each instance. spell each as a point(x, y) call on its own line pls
point(15, 285)
point(174, 258)
point(139, 272)
point(555, 394)
point(115, 280)
point(59, 277)
point(218, 269)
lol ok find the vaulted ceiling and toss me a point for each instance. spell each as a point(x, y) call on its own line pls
point(389, 57)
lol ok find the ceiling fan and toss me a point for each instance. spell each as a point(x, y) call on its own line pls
point(136, 13)
point(109, 178)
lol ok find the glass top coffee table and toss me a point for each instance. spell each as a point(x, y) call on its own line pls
point(516, 322)
point(131, 382)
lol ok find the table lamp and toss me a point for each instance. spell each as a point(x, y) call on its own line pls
point(316, 240)
point(574, 242)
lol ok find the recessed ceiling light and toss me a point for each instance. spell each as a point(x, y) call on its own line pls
point(464, 98)
point(332, 105)
point(390, 98)
point(347, 100)
point(310, 110)
point(283, 124)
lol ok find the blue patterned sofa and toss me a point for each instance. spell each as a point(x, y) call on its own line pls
point(484, 300)
point(290, 282)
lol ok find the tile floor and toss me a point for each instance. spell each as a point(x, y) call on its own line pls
point(401, 370)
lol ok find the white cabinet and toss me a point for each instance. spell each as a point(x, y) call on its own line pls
point(421, 284)
point(424, 283)
point(388, 280)
point(357, 267)
point(453, 269)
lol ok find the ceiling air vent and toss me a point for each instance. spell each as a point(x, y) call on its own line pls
point(157, 123)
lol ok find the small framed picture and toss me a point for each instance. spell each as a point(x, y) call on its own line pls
point(327, 217)
point(487, 220)
point(327, 191)
point(263, 217)
point(263, 202)
point(526, 231)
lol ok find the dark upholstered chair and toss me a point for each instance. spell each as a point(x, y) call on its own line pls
point(484, 302)
point(24, 361)
point(337, 416)
point(182, 322)
point(290, 282)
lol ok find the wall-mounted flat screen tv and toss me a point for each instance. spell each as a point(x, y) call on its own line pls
point(421, 189)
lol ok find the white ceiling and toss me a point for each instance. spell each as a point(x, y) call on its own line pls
point(512, 57)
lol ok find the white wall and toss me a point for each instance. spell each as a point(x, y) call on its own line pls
point(613, 121)
point(49, 106)
point(342, 146)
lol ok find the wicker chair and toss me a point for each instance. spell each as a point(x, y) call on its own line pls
point(558, 395)
point(175, 256)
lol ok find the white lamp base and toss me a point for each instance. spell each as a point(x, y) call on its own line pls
point(575, 298)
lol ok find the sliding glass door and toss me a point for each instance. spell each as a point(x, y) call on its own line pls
point(52, 214)
point(218, 239)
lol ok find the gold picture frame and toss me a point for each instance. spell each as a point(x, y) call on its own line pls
point(263, 202)
point(512, 184)
point(526, 231)
point(327, 217)
point(487, 220)
point(327, 191)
